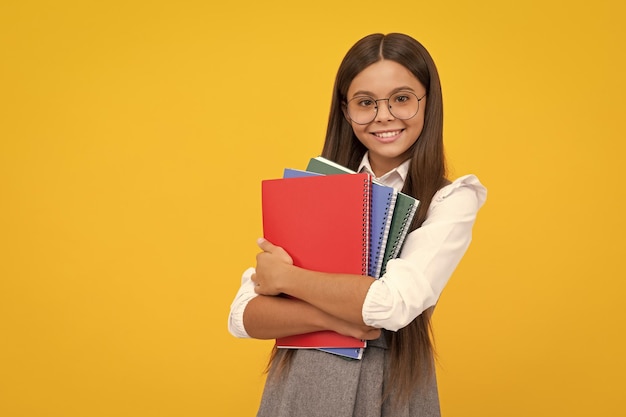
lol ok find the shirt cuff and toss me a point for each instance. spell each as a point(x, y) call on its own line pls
point(237, 308)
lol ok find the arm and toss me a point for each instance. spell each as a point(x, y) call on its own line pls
point(266, 317)
point(414, 281)
point(339, 295)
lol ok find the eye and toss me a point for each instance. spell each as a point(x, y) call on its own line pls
point(402, 98)
point(365, 102)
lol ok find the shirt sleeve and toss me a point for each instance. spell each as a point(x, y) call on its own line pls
point(244, 295)
point(414, 281)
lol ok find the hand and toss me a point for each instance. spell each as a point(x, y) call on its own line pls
point(271, 268)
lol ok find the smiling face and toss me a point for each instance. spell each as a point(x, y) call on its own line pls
point(387, 138)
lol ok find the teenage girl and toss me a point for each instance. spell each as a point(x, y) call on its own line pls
point(386, 119)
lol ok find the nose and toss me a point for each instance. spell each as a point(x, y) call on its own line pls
point(383, 112)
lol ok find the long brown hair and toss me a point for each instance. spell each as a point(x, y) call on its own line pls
point(411, 348)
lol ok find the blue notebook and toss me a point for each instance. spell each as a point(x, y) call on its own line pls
point(382, 204)
point(351, 353)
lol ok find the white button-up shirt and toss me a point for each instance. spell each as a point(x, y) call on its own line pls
point(414, 281)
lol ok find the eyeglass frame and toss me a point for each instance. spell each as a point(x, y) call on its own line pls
point(388, 106)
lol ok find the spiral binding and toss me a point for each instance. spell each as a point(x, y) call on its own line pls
point(400, 238)
point(366, 225)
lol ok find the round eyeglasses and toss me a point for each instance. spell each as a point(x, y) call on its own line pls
point(402, 105)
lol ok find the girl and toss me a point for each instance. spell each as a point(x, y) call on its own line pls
point(386, 119)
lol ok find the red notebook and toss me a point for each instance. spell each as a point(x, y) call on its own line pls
point(323, 223)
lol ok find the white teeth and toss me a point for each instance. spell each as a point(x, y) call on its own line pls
point(387, 134)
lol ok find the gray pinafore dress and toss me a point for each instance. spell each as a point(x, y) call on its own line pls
point(320, 384)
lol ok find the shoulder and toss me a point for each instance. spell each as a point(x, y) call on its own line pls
point(466, 189)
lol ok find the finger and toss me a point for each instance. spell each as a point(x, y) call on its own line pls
point(265, 245)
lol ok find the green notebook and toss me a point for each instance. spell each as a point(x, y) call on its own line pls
point(403, 213)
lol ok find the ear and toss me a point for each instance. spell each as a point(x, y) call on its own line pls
point(344, 109)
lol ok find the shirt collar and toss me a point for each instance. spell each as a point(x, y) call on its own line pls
point(402, 170)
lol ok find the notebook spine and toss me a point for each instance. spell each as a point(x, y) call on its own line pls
point(384, 236)
point(397, 244)
point(375, 269)
point(367, 190)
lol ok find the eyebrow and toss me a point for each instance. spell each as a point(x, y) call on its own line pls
point(395, 90)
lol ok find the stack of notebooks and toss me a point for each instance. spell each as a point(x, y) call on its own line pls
point(331, 219)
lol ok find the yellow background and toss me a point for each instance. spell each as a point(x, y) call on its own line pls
point(133, 139)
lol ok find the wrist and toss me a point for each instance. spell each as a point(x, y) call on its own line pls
point(285, 283)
